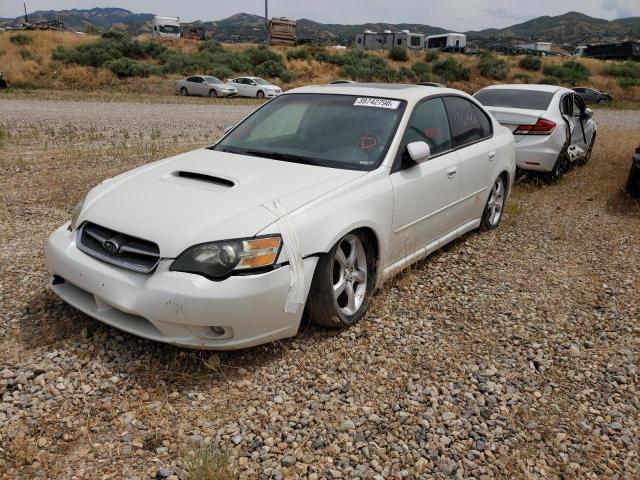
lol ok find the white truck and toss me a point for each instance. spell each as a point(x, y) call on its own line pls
point(166, 27)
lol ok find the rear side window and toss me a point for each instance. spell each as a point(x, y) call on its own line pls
point(465, 124)
point(514, 98)
point(485, 123)
point(429, 124)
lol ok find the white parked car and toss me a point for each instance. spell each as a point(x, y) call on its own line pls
point(205, 86)
point(552, 125)
point(255, 87)
point(312, 201)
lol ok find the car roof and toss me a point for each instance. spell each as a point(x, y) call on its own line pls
point(410, 93)
point(521, 86)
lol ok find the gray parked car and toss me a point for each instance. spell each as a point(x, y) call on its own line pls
point(205, 86)
point(589, 95)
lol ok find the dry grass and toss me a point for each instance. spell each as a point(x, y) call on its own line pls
point(37, 69)
point(207, 464)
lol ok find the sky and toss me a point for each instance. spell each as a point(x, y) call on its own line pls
point(459, 15)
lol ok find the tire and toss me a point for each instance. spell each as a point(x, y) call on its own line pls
point(213, 93)
point(184, 92)
point(260, 95)
point(586, 159)
point(561, 165)
point(493, 210)
point(602, 101)
point(350, 269)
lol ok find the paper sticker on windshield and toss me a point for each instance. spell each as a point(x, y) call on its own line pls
point(377, 103)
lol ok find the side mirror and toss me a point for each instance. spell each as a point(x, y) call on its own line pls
point(588, 113)
point(419, 152)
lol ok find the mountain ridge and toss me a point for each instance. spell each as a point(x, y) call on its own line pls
point(568, 28)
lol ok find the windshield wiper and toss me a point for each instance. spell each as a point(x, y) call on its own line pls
point(287, 157)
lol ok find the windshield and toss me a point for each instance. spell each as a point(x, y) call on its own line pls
point(260, 81)
point(169, 29)
point(212, 80)
point(513, 98)
point(338, 131)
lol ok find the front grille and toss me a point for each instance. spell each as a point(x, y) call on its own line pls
point(117, 248)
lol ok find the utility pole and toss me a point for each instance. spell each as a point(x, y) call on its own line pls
point(266, 21)
point(26, 18)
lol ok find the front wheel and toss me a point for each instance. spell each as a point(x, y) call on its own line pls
point(260, 95)
point(184, 92)
point(213, 93)
point(492, 214)
point(343, 282)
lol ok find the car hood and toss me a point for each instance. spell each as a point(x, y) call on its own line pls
point(204, 196)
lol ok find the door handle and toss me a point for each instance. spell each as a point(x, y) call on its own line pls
point(452, 173)
point(492, 155)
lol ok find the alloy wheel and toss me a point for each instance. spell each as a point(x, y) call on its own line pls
point(350, 275)
point(495, 204)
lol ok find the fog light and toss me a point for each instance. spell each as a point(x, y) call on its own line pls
point(217, 330)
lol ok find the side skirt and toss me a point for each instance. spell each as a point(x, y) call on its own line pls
point(427, 250)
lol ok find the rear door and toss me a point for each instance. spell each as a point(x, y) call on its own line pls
point(473, 138)
point(425, 195)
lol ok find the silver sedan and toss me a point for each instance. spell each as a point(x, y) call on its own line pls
point(205, 86)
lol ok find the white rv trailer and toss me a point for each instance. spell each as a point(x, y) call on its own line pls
point(447, 42)
point(166, 27)
point(371, 40)
point(542, 47)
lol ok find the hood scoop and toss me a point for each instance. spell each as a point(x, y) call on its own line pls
point(204, 178)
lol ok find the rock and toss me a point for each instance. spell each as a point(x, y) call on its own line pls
point(347, 425)
point(288, 461)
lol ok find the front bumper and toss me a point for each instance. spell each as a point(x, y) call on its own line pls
point(175, 307)
point(228, 94)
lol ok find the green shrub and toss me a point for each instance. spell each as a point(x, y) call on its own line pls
point(262, 54)
point(549, 81)
point(626, 82)
point(450, 70)
point(492, 67)
point(25, 54)
point(570, 72)
point(525, 78)
point(531, 63)
point(20, 39)
point(364, 67)
point(398, 54)
point(300, 53)
point(622, 70)
point(126, 67)
point(220, 71)
point(422, 71)
point(430, 56)
point(406, 75)
point(270, 68)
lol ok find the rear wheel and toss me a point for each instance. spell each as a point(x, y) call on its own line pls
point(343, 282)
point(184, 92)
point(213, 93)
point(562, 163)
point(260, 95)
point(495, 205)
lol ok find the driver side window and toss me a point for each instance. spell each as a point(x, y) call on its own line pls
point(429, 123)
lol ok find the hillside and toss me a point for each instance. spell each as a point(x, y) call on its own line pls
point(570, 28)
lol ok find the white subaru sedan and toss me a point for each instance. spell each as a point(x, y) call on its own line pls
point(552, 125)
point(309, 204)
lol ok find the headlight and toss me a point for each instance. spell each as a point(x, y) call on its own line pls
point(220, 259)
point(76, 213)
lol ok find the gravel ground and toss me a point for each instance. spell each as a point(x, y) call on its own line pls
point(508, 354)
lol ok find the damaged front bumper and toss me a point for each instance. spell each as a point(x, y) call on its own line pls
point(174, 307)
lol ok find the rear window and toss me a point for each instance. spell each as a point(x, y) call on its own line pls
point(527, 99)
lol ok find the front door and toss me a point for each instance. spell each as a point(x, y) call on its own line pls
point(425, 195)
